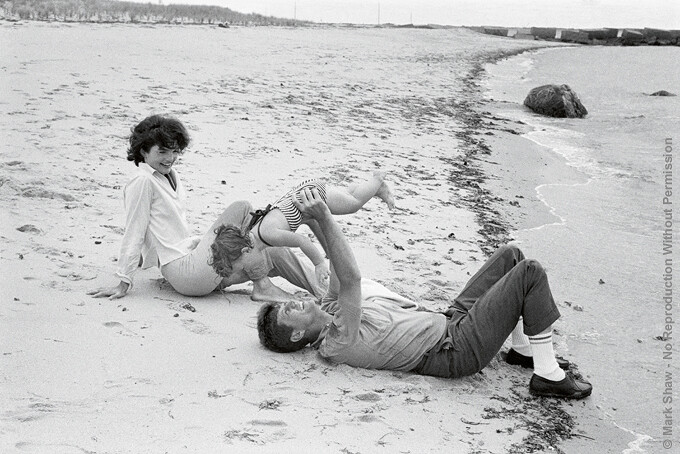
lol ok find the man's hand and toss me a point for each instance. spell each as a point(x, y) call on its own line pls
point(112, 293)
point(312, 205)
point(322, 273)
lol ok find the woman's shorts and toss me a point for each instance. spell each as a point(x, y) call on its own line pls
point(192, 274)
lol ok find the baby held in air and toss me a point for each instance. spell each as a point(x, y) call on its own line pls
point(276, 225)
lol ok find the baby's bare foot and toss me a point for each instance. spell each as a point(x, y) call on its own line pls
point(385, 194)
point(265, 290)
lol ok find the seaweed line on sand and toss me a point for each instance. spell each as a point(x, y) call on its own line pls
point(465, 173)
point(546, 422)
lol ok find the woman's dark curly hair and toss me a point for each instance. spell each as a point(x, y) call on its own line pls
point(166, 132)
point(226, 248)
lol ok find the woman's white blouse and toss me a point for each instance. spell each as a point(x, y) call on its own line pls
point(155, 225)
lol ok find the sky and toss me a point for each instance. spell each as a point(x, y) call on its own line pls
point(520, 13)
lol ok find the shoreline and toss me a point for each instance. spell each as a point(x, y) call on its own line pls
point(493, 226)
point(546, 168)
point(530, 212)
point(491, 145)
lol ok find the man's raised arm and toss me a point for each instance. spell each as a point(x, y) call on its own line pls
point(338, 248)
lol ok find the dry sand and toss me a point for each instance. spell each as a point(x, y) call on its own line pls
point(159, 372)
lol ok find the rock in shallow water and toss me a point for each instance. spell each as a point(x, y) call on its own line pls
point(555, 101)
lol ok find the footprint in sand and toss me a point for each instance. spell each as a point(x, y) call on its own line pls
point(14, 165)
point(119, 328)
point(267, 423)
point(46, 194)
point(66, 270)
point(32, 412)
point(57, 285)
point(195, 327)
point(52, 252)
point(113, 324)
point(7, 184)
point(368, 397)
point(260, 432)
point(73, 276)
point(29, 228)
point(368, 418)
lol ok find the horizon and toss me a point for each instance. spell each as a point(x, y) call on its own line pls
point(664, 14)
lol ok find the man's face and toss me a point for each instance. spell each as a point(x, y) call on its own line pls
point(298, 315)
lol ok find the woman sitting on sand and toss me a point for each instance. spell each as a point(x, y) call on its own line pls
point(276, 225)
point(157, 230)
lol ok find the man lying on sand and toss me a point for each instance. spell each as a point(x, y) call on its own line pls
point(367, 330)
point(156, 227)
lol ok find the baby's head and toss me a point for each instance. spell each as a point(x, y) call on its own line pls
point(230, 243)
point(166, 132)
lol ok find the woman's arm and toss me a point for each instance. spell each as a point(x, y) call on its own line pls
point(138, 195)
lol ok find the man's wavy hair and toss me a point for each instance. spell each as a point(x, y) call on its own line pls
point(226, 248)
point(166, 132)
point(274, 335)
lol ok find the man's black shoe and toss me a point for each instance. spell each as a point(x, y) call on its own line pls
point(517, 359)
point(569, 387)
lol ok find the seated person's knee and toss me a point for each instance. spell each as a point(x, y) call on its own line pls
point(532, 266)
point(235, 211)
point(510, 249)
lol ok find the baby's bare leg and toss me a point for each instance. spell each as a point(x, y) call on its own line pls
point(350, 199)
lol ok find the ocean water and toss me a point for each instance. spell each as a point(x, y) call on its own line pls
point(604, 252)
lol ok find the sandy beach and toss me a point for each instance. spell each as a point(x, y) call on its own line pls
point(160, 372)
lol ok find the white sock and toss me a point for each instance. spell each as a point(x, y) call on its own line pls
point(520, 341)
point(545, 363)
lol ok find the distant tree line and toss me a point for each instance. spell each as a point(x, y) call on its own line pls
point(116, 11)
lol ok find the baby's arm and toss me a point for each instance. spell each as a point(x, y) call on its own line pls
point(281, 237)
point(286, 238)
